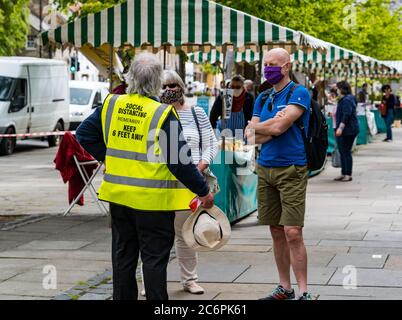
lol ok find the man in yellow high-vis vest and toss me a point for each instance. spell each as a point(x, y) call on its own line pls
point(149, 175)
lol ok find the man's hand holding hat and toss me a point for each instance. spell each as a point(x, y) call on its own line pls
point(207, 201)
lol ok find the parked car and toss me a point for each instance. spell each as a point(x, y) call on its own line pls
point(85, 97)
point(34, 98)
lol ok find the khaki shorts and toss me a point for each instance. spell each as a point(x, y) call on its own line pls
point(282, 195)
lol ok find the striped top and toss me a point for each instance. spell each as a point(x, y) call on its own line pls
point(192, 136)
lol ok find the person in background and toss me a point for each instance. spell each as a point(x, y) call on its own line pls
point(332, 99)
point(249, 86)
point(242, 108)
point(143, 191)
point(389, 100)
point(202, 155)
point(363, 94)
point(347, 129)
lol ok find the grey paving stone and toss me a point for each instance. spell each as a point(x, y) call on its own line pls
point(359, 260)
point(7, 274)
point(17, 297)
point(106, 286)
point(53, 245)
point(370, 277)
point(335, 235)
point(94, 296)
point(245, 248)
point(210, 271)
point(8, 264)
point(376, 250)
point(25, 288)
point(384, 235)
point(364, 243)
point(57, 254)
point(269, 274)
point(370, 292)
point(394, 262)
point(62, 297)
point(14, 235)
point(333, 250)
point(74, 264)
point(70, 277)
point(107, 291)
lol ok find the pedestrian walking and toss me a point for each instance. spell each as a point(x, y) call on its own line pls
point(347, 129)
point(201, 139)
point(389, 101)
point(282, 170)
point(149, 175)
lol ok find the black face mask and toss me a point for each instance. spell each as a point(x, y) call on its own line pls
point(170, 96)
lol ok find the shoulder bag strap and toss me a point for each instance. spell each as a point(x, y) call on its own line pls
point(198, 126)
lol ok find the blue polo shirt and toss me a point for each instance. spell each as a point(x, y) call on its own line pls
point(288, 148)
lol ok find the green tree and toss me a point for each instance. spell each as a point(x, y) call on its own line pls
point(88, 6)
point(368, 27)
point(14, 26)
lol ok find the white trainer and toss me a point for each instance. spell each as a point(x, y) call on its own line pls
point(193, 287)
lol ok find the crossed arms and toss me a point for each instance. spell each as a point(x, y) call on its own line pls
point(258, 132)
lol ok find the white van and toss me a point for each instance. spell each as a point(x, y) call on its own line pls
point(34, 98)
point(85, 97)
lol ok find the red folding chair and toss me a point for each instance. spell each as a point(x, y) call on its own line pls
point(79, 168)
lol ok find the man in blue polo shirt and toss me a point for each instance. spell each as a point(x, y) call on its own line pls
point(282, 170)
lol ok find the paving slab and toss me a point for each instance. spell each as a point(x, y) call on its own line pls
point(69, 277)
point(245, 248)
point(371, 277)
point(359, 260)
point(269, 274)
point(210, 271)
point(384, 235)
point(53, 245)
point(394, 262)
point(376, 250)
point(74, 264)
point(11, 297)
point(94, 296)
point(57, 254)
point(24, 288)
point(364, 243)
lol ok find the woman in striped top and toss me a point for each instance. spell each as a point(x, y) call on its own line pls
point(173, 93)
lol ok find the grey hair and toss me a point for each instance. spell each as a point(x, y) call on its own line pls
point(145, 75)
point(171, 76)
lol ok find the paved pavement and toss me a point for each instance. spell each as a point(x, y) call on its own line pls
point(352, 230)
point(29, 183)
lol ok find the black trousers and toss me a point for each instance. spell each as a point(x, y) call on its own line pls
point(345, 144)
point(152, 235)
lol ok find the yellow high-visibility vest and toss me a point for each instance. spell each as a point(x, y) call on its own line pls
point(136, 176)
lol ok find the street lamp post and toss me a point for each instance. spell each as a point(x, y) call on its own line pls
point(40, 26)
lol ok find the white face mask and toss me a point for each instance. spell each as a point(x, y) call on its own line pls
point(237, 92)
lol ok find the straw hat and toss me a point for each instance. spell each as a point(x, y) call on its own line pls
point(206, 229)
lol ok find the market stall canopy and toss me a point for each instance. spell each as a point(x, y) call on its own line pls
point(395, 64)
point(178, 23)
point(215, 56)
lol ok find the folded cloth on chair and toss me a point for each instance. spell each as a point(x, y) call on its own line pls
point(70, 147)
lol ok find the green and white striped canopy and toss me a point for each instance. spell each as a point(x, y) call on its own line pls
point(170, 22)
point(215, 56)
